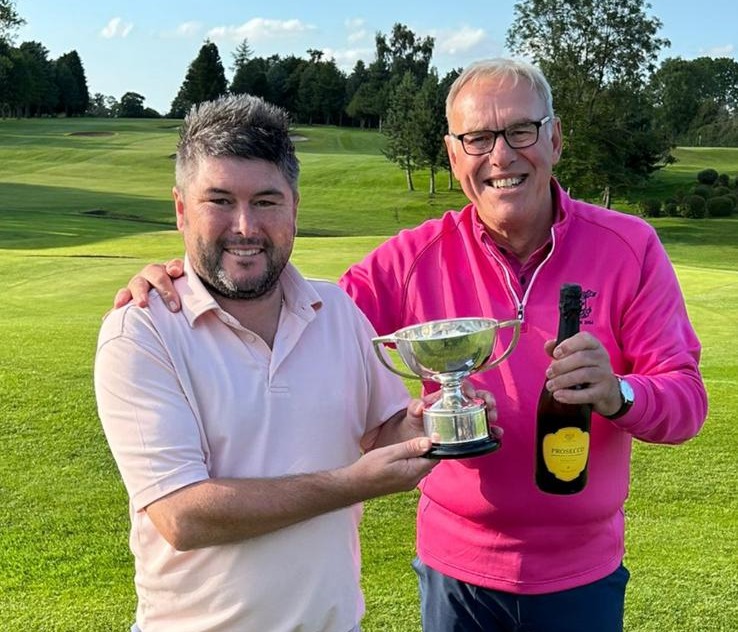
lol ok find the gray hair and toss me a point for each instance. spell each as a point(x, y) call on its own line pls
point(240, 126)
point(501, 68)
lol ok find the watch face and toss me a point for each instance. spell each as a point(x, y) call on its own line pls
point(627, 391)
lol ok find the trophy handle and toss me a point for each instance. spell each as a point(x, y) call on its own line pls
point(515, 323)
point(379, 342)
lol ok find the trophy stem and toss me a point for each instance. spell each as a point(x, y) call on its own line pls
point(452, 397)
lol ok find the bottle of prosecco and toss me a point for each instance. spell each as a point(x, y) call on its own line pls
point(562, 430)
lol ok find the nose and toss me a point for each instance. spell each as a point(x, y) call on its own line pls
point(245, 220)
point(502, 154)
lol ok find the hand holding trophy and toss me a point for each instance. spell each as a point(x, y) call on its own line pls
point(447, 352)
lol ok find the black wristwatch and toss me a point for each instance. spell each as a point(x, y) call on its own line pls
point(626, 397)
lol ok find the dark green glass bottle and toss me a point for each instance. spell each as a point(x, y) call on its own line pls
point(562, 430)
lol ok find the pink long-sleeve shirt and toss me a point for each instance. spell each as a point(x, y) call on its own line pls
point(483, 520)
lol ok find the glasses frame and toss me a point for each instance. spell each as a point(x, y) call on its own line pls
point(502, 132)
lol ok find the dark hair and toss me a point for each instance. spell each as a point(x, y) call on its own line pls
point(241, 126)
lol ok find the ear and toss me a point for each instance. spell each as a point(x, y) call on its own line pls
point(451, 150)
point(294, 211)
point(556, 140)
point(178, 208)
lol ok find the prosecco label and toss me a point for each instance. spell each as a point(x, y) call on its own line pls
point(565, 453)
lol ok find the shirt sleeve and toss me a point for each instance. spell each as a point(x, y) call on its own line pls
point(153, 433)
point(661, 354)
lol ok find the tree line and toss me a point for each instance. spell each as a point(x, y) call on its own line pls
point(621, 112)
point(31, 84)
point(313, 89)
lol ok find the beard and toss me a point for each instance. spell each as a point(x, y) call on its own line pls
point(214, 276)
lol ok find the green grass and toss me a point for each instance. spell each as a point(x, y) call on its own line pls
point(689, 162)
point(63, 511)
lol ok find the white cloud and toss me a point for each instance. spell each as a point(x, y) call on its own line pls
point(116, 28)
point(259, 30)
point(460, 41)
point(188, 29)
point(357, 36)
point(356, 31)
point(346, 58)
point(727, 50)
point(354, 23)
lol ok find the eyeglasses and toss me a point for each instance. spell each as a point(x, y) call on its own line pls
point(518, 136)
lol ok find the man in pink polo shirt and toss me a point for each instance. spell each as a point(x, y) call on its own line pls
point(495, 554)
point(238, 424)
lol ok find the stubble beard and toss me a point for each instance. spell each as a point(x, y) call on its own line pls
point(218, 281)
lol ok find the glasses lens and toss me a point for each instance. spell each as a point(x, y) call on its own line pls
point(478, 143)
point(523, 135)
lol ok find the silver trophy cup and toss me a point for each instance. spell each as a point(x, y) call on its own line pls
point(447, 351)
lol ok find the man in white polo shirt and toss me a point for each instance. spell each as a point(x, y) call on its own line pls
point(249, 426)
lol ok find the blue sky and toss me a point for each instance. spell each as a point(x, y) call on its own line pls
point(146, 46)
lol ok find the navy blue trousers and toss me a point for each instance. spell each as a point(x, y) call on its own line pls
point(448, 605)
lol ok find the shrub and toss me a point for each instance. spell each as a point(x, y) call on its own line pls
point(650, 207)
point(720, 190)
point(671, 208)
point(723, 180)
point(703, 190)
point(721, 206)
point(693, 206)
point(707, 176)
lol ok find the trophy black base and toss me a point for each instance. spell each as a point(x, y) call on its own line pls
point(463, 450)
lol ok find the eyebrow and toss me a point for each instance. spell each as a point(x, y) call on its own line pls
point(264, 192)
point(523, 121)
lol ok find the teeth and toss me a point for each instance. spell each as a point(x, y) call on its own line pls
point(245, 253)
point(505, 183)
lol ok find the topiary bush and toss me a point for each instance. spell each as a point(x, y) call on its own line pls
point(720, 190)
point(693, 207)
point(705, 191)
point(720, 206)
point(707, 176)
point(723, 180)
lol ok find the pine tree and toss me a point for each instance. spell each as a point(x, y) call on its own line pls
point(205, 80)
point(74, 97)
point(242, 55)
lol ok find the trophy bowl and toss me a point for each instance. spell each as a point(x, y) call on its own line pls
point(447, 352)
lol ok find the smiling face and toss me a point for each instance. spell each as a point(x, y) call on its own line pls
point(238, 219)
point(509, 187)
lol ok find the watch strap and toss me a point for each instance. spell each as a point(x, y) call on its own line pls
point(626, 399)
